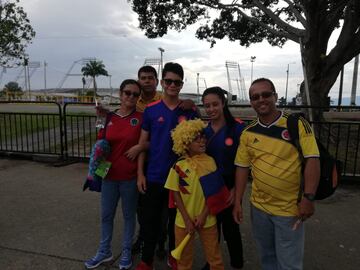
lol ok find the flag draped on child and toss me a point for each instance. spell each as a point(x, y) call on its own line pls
point(215, 192)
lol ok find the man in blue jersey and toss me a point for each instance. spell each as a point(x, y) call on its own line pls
point(159, 118)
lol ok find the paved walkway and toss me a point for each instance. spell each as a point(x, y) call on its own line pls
point(47, 222)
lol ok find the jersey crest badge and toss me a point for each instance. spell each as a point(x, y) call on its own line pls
point(134, 122)
point(285, 135)
point(161, 119)
point(229, 141)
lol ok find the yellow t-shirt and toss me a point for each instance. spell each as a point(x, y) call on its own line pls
point(184, 179)
point(275, 164)
point(141, 103)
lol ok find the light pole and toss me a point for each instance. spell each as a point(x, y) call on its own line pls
point(252, 60)
point(287, 80)
point(111, 89)
point(161, 59)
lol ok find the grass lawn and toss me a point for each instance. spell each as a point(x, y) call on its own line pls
point(15, 126)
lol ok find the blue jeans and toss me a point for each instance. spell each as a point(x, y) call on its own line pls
point(111, 192)
point(280, 247)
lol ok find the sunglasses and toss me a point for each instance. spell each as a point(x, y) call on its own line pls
point(129, 93)
point(177, 83)
point(266, 94)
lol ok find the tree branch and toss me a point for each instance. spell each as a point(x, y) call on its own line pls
point(280, 33)
point(285, 26)
point(297, 14)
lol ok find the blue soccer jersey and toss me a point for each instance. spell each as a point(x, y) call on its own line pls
point(159, 120)
point(222, 146)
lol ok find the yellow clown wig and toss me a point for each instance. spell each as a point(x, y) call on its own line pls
point(185, 133)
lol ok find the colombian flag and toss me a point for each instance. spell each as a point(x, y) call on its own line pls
point(213, 185)
point(215, 191)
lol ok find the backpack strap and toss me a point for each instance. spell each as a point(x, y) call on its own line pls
point(293, 129)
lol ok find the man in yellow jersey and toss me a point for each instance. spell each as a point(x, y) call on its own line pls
point(147, 77)
point(279, 206)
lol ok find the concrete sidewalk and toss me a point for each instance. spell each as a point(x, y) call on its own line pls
point(47, 222)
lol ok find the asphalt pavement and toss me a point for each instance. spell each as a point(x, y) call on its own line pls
point(47, 222)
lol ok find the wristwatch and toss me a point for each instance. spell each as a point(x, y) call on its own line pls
point(310, 196)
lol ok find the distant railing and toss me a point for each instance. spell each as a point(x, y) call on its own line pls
point(68, 131)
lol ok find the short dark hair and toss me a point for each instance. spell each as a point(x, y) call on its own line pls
point(174, 68)
point(129, 81)
point(148, 69)
point(264, 80)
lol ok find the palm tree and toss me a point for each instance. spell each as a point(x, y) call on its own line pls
point(93, 69)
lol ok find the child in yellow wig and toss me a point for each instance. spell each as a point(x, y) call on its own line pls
point(199, 193)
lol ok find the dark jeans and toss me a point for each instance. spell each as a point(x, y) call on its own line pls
point(232, 236)
point(153, 205)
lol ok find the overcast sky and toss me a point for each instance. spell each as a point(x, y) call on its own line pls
point(68, 30)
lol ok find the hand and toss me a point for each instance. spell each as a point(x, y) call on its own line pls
point(200, 220)
point(133, 152)
point(189, 225)
point(187, 104)
point(238, 213)
point(231, 198)
point(101, 111)
point(141, 183)
point(306, 209)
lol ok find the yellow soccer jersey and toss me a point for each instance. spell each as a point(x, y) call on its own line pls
point(141, 103)
point(183, 178)
point(275, 164)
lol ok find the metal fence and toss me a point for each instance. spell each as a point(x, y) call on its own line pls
point(68, 132)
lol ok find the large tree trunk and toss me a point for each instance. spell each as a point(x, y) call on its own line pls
point(322, 67)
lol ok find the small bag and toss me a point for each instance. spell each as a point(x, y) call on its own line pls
point(98, 166)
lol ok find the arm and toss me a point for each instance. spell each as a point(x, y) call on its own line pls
point(141, 180)
point(311, 180)
point(241, 179)
point(188, 104)
point(190, 226)
point(101, 111)
point(134, 151)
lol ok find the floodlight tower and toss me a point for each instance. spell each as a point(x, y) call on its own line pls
point(153, 62)
point(161, 60)
point(83, 62)
point(238, 78)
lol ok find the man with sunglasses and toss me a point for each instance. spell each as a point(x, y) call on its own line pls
point(279, 205)
point(159, 119)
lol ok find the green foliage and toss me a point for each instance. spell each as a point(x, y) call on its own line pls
point(12, 87)
point(94, 69)
point(309, 23)
point(16, 32)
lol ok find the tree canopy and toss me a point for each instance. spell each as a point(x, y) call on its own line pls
point(16, 32)
point(307, 22)
point(94, 69)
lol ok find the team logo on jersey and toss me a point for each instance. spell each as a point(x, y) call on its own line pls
point(181, 118)
point(285, 135)
point(110, 123)
point(255, 140)
point(134, 121)
point(161, 119)
point(229, 141)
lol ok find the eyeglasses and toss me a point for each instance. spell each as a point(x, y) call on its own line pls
point(177, 83)
point(266, 94)
point(129, 93)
